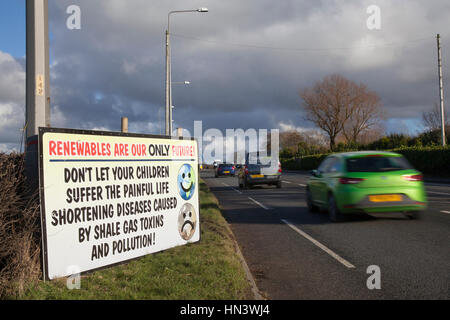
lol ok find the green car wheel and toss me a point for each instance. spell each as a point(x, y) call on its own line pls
point(333, 211)
point(414, 215)
point(311, 207)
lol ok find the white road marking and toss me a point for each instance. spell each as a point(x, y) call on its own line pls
point(447, 194)
point(437, 184)
point(225, 184)
point(321, 246)
point(447, 212)
point(259, 204)
point(237, 190)
point(299, 184)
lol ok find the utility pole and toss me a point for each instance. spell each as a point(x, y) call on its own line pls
point(168, 93)
point(441, 90)
point(37, 81)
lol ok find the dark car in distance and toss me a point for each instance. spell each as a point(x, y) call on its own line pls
point(225, 169)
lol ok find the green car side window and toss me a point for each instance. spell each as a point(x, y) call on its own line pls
point(330, 165)
point(325, 165)
point(335, 166)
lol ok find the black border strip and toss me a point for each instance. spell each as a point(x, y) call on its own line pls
point(42, 131)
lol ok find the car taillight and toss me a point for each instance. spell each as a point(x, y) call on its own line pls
point(232, 168)
point(416, 177)
point(350, 180)
point(246, 170)
point(279, 168)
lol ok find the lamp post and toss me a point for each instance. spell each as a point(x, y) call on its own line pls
point(169, 71)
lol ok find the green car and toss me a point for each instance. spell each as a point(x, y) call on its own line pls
point(366, 182)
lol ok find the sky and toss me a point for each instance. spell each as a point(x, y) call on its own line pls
point(246, 61)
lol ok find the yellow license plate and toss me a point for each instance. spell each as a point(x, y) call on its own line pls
point(386, 198)
point(257, 176)
point(226, 172)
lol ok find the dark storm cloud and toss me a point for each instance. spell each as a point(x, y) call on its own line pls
point(119, 55)
point(246, 60)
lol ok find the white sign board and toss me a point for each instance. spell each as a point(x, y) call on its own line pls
point(110, 197)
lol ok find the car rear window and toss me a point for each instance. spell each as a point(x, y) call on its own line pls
point(377, 164)
point(225, 165)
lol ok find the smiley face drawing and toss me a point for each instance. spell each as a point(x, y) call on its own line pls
point(187, 221)
point(186, 181)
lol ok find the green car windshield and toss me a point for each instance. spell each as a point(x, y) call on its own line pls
point(377, 164)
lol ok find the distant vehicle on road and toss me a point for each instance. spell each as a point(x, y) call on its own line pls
point(225, 169)
point(258, 171)
point(366, 182)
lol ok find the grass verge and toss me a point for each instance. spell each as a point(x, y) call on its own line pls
point(209, 269)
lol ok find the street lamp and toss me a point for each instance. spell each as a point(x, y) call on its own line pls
point(169, 69)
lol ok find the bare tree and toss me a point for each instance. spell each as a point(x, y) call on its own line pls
point(366, 114)
point(432, 119)
point(337, 105)
point(374, 133)
point(290, 140)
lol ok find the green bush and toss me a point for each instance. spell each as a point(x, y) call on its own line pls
point(290, 164)
point(303, 163)
point(391, 141)
point(428, 160)
point(286, 153)
point(431, 138)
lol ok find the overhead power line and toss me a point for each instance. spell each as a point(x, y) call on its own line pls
point(225, 43)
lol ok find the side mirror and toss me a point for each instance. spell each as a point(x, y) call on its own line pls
point(313, 173)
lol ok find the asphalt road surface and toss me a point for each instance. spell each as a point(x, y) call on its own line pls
point(295, 254)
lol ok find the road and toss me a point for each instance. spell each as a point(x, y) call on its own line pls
point(295, 254)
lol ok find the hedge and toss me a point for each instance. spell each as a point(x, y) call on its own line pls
point(428, 160)
point(304, 163)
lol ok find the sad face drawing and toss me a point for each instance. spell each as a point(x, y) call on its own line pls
point(187, 221)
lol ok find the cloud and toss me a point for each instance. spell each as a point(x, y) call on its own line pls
point(12, 102)
point(246, 61)
point(12, 80)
